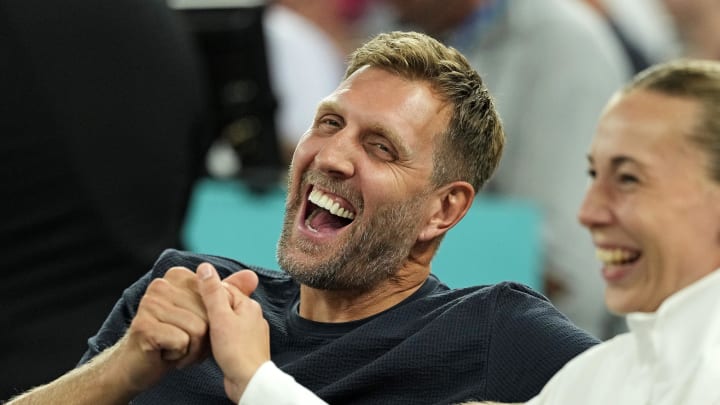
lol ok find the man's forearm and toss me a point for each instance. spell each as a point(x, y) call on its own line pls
point(169, 331)
point(89, 384)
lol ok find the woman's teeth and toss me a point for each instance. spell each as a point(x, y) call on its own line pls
point(616, 256)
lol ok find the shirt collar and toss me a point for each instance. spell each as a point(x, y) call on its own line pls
point(675, 332)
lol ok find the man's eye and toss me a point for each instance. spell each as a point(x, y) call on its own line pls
point(591, 173)
point(381, 150)
point(330, 122)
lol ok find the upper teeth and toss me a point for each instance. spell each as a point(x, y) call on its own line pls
point(615, 256)
point(323, 201)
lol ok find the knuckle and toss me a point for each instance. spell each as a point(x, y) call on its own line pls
point(177, 273)
point(139, 324)
point(255, 306)
point(148, 303)
point(142, 327)
point(197, 328)
point(179, 342)
point(158, 286)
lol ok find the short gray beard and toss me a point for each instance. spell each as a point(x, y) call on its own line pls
point(373, 253)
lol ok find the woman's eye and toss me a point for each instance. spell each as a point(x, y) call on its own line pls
point(627, 178)
point(591, 173)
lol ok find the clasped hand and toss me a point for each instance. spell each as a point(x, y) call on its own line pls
point(185, 315)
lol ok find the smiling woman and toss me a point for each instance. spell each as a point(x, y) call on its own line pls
point(653, 210)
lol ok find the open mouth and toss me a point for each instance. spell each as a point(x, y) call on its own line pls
point(327, 213)
point(617, 256)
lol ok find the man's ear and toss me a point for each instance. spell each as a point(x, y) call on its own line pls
point(449, 205)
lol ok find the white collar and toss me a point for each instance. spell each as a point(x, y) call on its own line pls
point(679, 330)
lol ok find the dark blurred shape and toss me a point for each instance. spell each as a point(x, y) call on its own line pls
point(231, 42)
point(103, 131)
point(105, 122)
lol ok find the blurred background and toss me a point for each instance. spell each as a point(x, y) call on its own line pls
point(133, 126)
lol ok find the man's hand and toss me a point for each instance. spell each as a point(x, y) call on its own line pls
point(239, 334)
point(170, 330)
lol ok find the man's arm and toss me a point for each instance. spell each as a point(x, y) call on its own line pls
point(88, 384)
point(169, 331)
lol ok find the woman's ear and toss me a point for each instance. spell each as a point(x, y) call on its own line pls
point(450, 204)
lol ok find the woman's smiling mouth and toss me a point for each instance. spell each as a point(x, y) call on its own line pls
point(617, 256)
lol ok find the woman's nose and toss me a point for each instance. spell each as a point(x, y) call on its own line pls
point(594, 210)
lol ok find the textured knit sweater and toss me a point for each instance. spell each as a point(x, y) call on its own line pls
point(438, 346)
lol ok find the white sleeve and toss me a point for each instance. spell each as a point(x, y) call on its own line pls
point(270, 385)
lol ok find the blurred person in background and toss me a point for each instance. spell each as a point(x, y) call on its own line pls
point(644, 28)
point(551, 65)
point(102, 126)
point(697, 24)
point(307, 43)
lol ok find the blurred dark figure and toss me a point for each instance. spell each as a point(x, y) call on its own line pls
point(637, 58)
point(103, 133)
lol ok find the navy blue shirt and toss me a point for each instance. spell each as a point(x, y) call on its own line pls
point(439, 346)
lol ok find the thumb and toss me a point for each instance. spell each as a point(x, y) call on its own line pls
point(212, 292)
point(245, 280)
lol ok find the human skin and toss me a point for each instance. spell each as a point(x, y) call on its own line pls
point(239, 320)
point(169, 331)
point(370, 147)
point(652, 208)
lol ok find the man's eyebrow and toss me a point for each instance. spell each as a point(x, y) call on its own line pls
point(327, 105)
point(330, 105)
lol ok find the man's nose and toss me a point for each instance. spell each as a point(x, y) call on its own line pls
point(338, 153)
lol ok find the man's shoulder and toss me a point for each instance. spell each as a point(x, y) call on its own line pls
point(490, 303)
point(502, 291)
point(514, 309)
point(224, 265)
